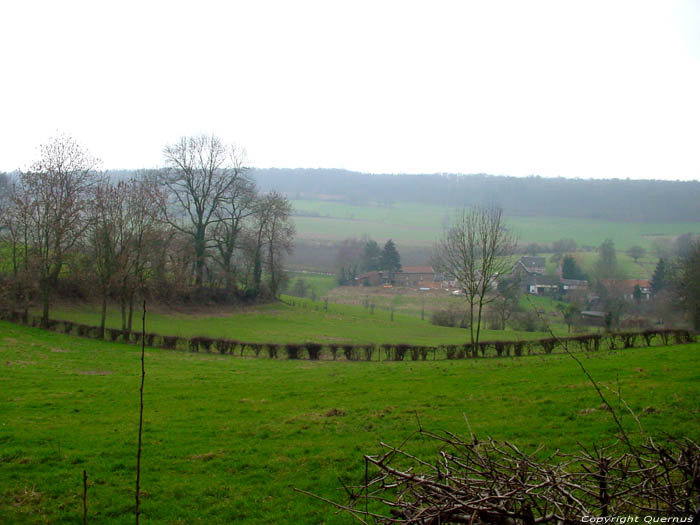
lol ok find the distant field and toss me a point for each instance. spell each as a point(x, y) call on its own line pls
point(414, 224)
point(227, 439)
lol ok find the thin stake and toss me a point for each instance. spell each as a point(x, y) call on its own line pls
point(84, 497)
point(143, 379)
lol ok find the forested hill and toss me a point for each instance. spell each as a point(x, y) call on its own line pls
point(613, 199)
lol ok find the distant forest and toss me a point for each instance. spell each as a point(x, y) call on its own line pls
point(610, 199)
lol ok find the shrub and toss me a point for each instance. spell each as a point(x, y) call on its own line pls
point(223, 346)
point(348, 351)
point(170, 342)
point(483, 347)
point(648, 336)
point(529, 321)
point(334, 350)
point(502, 347)
point(68, 327)
point(518, 347)
point(450, 351)
point(629, 339)
point(272, 350)
point(314, 350)
point(293, 350)
point(548, 344)
point(400, 351)
point(206, 343)
point(450, 317)
point(193, 344)
point(369, 350)
point(113, 334)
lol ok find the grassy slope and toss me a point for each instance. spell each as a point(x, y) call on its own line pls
point(305, 321)
point(226, 439)
point(415, 224)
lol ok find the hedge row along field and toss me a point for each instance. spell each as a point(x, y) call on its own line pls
point(371, 352)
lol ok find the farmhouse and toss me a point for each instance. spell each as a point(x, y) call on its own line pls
point(528, 265)
point(414, 276)
point(538, 284)
point(626, 288)
point(411, 276)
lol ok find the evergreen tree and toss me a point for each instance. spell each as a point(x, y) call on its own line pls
point(571, 270)
point(342, 279)
point(371, 256)
point(658, 280)
point(607, 262)
point(390, 259)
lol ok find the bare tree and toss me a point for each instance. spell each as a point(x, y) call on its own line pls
point(54, 194)
point(123, 222)
point(271, 239)
point(475, 249)
point(106, 239)
point(237, 205)
point(201, 171)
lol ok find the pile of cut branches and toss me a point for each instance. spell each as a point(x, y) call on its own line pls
point(487, 482)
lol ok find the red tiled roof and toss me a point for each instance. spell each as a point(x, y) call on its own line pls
point(417, 269)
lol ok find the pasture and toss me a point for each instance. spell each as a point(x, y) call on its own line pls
point(300, 320)
point(226, 439)
point(416, 224)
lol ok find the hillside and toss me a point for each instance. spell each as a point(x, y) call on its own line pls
point(226, 439)
point(606, 199)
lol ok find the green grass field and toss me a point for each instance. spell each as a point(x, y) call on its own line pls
point(414, 224)
point(226, 439)
point(304, 321)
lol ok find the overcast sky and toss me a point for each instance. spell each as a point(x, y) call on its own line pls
point(554, 88)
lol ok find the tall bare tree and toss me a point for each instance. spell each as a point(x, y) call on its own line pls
point(238, 204)
point(201, 171)
point(475, 249)
point(271, 240)
point(54, 193)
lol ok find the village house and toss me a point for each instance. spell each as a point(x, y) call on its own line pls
point(415, 276)
point(409, 276)
point(527, 265)
point(625, 288)
point(531, 271)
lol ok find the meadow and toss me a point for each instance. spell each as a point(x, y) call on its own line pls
point(301, 320)
point(227, 439)
point(416, 224)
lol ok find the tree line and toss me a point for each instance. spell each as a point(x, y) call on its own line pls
point(609, 199)
point(197, 230)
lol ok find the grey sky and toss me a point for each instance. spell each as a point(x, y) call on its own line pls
point(555, 88)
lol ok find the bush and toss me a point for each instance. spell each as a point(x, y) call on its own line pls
point(272, 350)
point(400, 351)
point(170, 342)
point(450, 317)
point(293, 350)
point(314, 350)
point(349, 352)
point(369, 350)
point(529, 321)
point(548, 344)
point(334, 350)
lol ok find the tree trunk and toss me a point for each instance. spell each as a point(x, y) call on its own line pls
point(45, 303)
point(131, 310)
point(103, 314)
point(122, 308)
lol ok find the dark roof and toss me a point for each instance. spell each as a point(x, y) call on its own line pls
point(417, 269)
point(530, 261)
point(541, 280)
